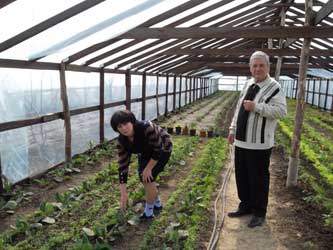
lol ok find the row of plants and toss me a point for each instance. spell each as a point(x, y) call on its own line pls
point(317, 154)
point(90, 205)
point(192, 127)
point(178, 225)
point(16, 196)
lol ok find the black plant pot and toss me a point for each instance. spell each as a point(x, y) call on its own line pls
point(192, 132)
point(178, 130)
point(170, 130)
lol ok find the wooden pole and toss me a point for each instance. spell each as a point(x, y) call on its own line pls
point(279, 59)
point(174, 93)
point(180, 92)
point(1, 183)
point(190, 90)
point(157, 106)
point(143, 104)
point(67, 117)
point(166, 95)
point(186, 78)
point(326, 94)
point(101, 106)
point(300, 106)
point(128, 89)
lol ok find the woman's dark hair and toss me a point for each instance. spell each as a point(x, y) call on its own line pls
point(122, 116)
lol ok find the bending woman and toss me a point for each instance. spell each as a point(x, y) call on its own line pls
point(153, 146)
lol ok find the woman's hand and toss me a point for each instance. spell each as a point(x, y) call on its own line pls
point(123, 196)
point(147, 175)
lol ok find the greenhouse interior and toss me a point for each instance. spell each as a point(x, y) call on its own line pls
point(184, 69)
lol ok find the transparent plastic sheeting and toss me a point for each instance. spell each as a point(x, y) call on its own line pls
point(28, 151)
point(318, 98)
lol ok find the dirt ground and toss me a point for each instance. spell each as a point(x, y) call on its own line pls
point(291, 223)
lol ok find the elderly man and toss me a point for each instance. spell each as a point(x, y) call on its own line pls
point(261, 103)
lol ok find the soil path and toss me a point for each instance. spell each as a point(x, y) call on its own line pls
point(290, 223)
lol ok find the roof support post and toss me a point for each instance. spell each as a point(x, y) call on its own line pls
point(166, 95)
point(174, 93)
point(101, 106)
point(180, 93)
point(157, 106)
point(279, 59)
point(128, 89)
point(300, 106)
point(66, 114)
point(143, 104)
point(1, 184)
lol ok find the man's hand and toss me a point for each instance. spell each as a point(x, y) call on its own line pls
point(231, 138)
point(249, 105)
point(147, 175)
point(123, 196)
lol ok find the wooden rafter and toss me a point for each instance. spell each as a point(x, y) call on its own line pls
point(230, 32)
point(247, 52)
point(48, 23)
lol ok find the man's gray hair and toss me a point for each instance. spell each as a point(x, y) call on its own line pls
point(260, 54)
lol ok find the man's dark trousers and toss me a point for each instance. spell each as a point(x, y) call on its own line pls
point(252, 179)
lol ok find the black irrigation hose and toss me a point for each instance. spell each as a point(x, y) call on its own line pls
point(221, 195)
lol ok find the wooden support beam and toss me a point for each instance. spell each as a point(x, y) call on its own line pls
point(128, 89)
point(48, 23)
point(247, 52)
point(300, 106)
point(66, 112)
point(143, 104)
point(180, 93)
point(174, 93)
point(230, 32)
point(157, 106)
point(167, 95)
point(101, 107)
point(4, 3)
point(1, 175)
point(325, 11)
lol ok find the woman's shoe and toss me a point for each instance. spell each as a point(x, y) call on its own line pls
point(158, 210)
point(145, 217)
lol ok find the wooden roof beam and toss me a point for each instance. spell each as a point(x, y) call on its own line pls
point(323, 12)
point(248, 52)
point(4, 3)
point(52, 21)
point(229, 32)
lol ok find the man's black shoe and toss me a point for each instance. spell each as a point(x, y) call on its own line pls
point(239, 213)
point(158, 210)
point(144, 217)
point(256, 221)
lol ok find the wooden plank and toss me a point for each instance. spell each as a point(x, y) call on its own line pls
point(4, 3)
point(143, 104)
point(1, 183)
point(67, 117)
point(167, 95)
point(325, 11)
point(52, 21)
point(230, 32)
point(157, 106)
point(128, 89)
point(101, 106)
point(174, 93)
point(180, 93)
point(247, 52)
